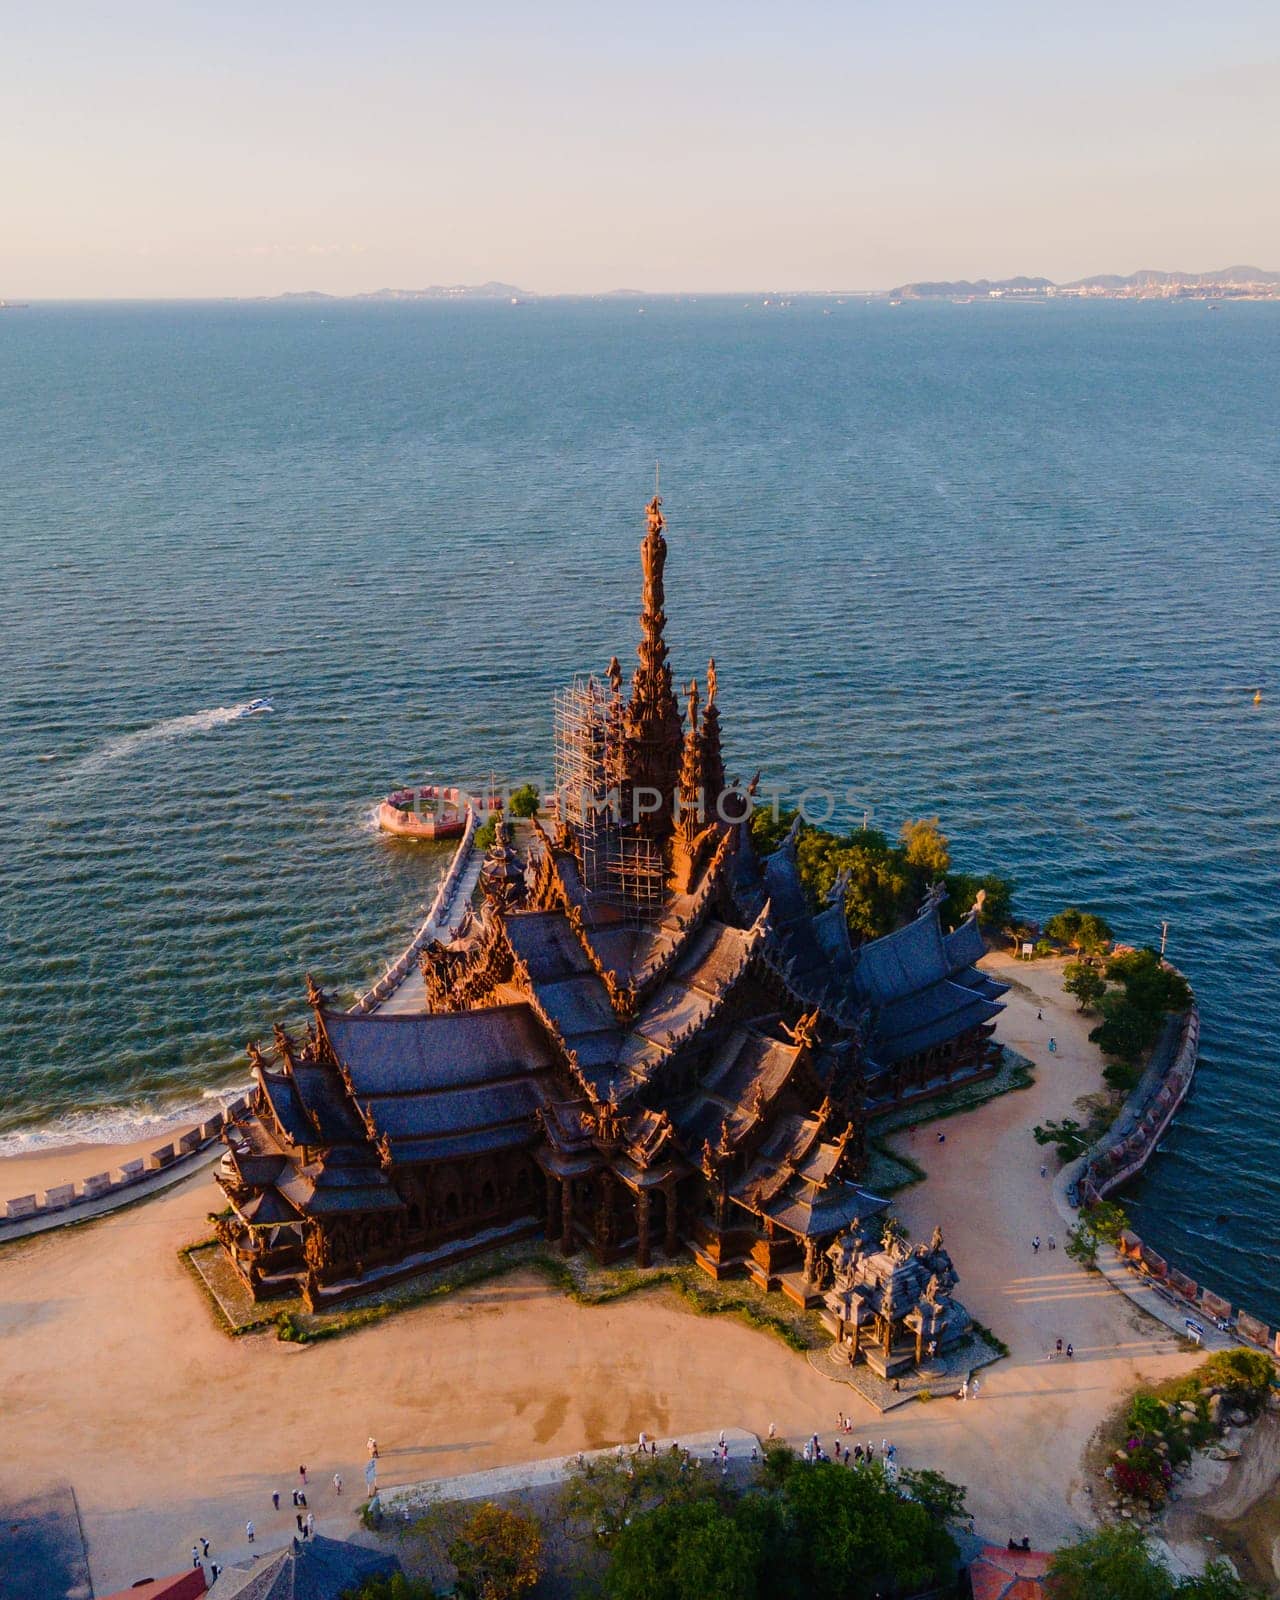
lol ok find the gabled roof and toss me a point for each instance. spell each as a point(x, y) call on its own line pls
point(902, 962)
point(402, 1054)
point(311, 1569)
point(931, 1016)
point(965, 945)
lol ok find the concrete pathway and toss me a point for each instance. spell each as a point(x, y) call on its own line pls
point(1160, 1304)
point(539, 1474)
point(410, 994)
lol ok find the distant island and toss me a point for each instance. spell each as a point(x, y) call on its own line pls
point(436, 291)
point(1231, 283)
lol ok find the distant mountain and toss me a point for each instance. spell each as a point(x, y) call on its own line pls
point(437, 291)
point(982, 286)
point(451, 291)
point(1191, 280)
point(1103, 283)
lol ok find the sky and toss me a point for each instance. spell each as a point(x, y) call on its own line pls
point(171, 150)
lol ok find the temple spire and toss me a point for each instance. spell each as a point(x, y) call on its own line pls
point(692, 798)
point(712, 758)
point(654, 735)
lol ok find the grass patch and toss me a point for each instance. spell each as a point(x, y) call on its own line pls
point(590, 1285)
point(985, 1334)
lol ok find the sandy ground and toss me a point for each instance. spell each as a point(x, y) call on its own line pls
point(69, 1163)
point(114, 1376)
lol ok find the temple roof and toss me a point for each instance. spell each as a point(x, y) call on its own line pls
point(931, 1016)
point(439, 1084)
point(901, 963)
point(965, 945)
point(748, 1065)
point(345, 1180)
point(384, 1054)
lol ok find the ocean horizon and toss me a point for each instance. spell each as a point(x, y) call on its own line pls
point(1012, 565)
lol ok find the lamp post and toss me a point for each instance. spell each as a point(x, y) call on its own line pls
point(1164, 937)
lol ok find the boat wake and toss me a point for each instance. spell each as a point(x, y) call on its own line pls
point(128, 744)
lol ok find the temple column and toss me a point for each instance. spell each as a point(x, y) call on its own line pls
point(566, 1216)
point(553, 1207)
point(920, 1342)
point(810, 1261)
point(670, 1242)
point(642, 1228)
point(853, 1341)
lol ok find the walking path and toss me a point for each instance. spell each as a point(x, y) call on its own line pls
point(401, 989)
point(1144, 1292)
point(406, 1497)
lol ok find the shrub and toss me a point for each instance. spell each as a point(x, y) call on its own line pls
point(497, 1554)
point(524, 801)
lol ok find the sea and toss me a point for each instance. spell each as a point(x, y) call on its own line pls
point(1013, 565)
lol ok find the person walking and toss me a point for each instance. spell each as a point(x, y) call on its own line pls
point(373, 1448)
point(973, 1389)
point(964, 1390)
point(1057, 1349)
point(1053, 1047)
point(311, 1524)
point(337, 1483)
point(1071, 1351)
point(249, 1531)
point(275, 1499)
point(298, 1519)
point(195, 1555)
point(302, 1473)
point(1053, 1243)
point(1044, 1172)
point(773, 1430)
point(1039, 1016)
point(204, 1547)
point(1035, 1245)
point(295, 1499)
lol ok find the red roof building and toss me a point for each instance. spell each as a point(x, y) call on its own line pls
point(185, 1586)
point(1009, 1574)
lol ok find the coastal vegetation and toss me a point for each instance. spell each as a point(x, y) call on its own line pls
point(1117, 1564)
point(1154, 1438)
point(886, 880)
point(797, 1530)
point(1141, 992)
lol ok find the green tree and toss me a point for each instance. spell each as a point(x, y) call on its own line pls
point(938, 1495)
point(1068, 1137)
point(1086, 983)
point(1082, 1243)
point(686, 1552)
point(1116, 1564)
point(928, 853)
point(1085, 931)
point(497, 1554)
point(395, 1587)
point(1111, 1564)
point(524, 801)
point(603, 1494)
point(1217, 1582)
point(1126, 1032)
point(855, 1536)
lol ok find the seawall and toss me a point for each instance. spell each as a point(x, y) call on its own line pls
point(1124, 1150)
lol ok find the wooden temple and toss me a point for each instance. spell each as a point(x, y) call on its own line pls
point(642, 1042)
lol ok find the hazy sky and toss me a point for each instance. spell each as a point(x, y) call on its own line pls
point(171, 149)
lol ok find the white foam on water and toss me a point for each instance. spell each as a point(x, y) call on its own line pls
point(114, 1125)
point(128, 744)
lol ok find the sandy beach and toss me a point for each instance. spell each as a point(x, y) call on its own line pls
point(116, 1379)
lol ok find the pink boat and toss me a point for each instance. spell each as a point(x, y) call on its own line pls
point(432, 812)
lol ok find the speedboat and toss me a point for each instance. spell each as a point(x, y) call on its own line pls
point(258, 705)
